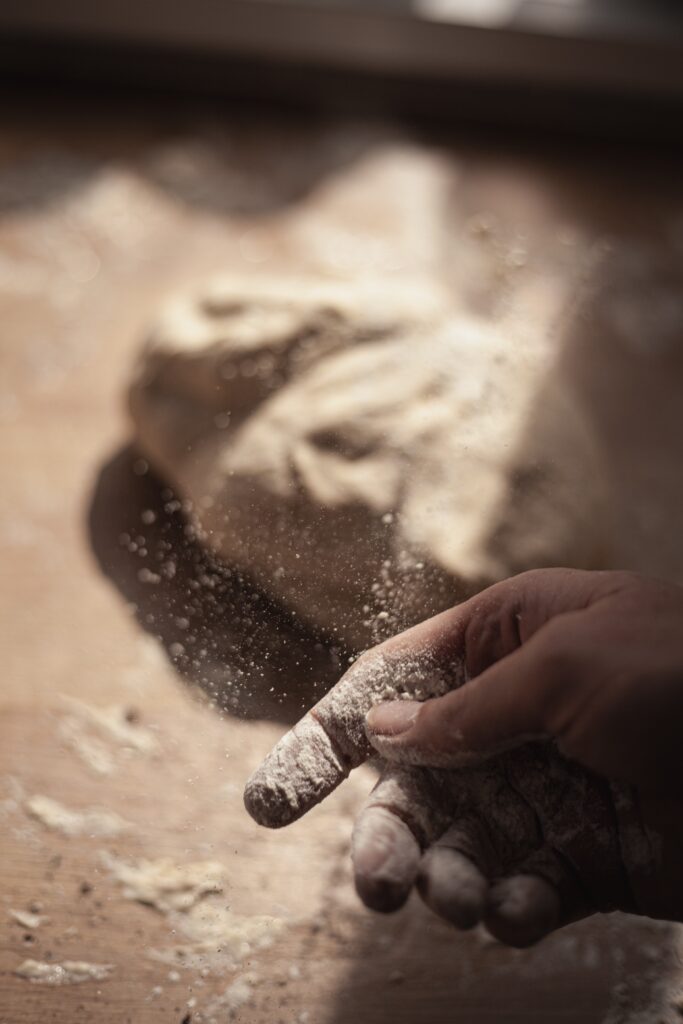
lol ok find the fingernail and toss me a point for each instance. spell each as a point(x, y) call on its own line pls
point(393, 718)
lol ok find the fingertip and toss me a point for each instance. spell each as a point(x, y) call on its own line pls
point(268, 803)
point(385, 858)
point(522, 910)
point(258, 802)
point(382, 895)
point(453, 887)
point(300, 771)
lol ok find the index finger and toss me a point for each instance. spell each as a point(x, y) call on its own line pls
point(321, 750)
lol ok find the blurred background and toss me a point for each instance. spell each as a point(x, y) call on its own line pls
point(552, 62)
point(486, 190)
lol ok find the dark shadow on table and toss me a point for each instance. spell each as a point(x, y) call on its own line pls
point(412, 968)
point(220, 632)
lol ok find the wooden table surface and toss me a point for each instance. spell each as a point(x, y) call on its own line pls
point(104, 209)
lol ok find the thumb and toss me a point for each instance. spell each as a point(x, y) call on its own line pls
point(517, 699)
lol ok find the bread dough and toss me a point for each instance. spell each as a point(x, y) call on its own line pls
point(363, 455)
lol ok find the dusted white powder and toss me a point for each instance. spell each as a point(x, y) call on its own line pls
point(320, 751)
point(90, 822)
point(164, 884)
point(70, 972)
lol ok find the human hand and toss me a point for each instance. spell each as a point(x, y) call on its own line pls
point(530, 840)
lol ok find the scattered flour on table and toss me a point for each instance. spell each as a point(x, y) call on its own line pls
point(100, 736)
point(90, 822)
point(13, 797)
point(114, 724)
point(214, 928)
point(164, 884)
point(27, 919)
point(13, 804)
point(236, 996)
point(70, 972)
point(216, 937)
point(92, 752)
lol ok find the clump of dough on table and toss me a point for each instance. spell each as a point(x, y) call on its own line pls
point(363, 454)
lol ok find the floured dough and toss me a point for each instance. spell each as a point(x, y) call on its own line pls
point(365, 457)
